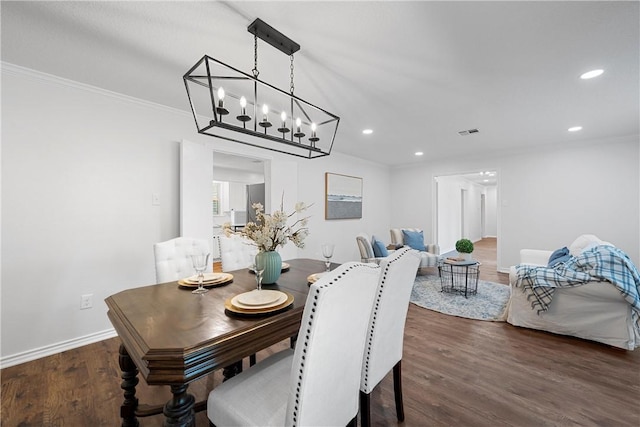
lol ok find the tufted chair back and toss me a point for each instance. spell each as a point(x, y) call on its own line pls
point(173, 258)
point(327, 362)
point(236, 252)
point(383, 350)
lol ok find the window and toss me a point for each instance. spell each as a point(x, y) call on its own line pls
point(220, 198)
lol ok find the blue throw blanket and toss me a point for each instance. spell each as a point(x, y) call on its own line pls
point(600, 263)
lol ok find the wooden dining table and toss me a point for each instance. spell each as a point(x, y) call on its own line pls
point(172, 337)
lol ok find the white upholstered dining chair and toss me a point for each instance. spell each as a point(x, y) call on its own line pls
point(317, 384)
point(236, 252)
point(383, 349)
point(173, 258)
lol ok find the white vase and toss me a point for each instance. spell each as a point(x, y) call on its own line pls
point(464, 256)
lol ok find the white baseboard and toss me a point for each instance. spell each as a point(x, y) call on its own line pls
point(504, 270)
point(37, 353)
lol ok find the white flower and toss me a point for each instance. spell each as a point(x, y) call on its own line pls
point(269, 232)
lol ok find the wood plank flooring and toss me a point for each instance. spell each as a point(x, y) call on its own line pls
point(456, 372)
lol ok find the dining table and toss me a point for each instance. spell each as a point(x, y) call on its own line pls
point(173, 337)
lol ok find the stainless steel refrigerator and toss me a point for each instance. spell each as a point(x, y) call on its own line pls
point(255, 194)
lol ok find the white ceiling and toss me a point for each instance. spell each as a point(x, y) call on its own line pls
point(415, 72)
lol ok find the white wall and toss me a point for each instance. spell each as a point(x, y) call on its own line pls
point(375, 205)
point(546, 197)
point(79, 166)
point(450, 211)
point(490, 207)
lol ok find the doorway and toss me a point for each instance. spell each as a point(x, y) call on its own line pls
point(238, 182)
point(465, 207)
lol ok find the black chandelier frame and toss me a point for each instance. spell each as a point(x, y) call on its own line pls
point(213, 118)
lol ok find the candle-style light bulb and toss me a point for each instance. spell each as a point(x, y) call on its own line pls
point(283, 127)
point(220, 97)
point(298, 134)
point(243, 105)
point(313, 138)
point(265, 111)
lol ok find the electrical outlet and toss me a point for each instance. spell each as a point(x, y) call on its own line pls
point(86, 301)
point(155, 199)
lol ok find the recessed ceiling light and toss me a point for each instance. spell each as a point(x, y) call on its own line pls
point(367, 131)
point(575, 129)
point(591, 74)
point(419, 153)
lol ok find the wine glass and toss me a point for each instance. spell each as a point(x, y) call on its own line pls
point(327, 252)
point(200, 262)
point(258, 268)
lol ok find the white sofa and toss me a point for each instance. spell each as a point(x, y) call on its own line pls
point(428, 258)
point(595, 311)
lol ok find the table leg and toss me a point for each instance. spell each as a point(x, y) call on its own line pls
point(231, 370)
point(466, 281)
point(179, 410)
point(129, 381)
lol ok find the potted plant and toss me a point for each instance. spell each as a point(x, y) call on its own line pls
point(464, 248)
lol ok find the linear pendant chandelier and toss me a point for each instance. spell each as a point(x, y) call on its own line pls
point(232, 105)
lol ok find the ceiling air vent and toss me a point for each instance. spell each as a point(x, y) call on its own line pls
point(468, 132)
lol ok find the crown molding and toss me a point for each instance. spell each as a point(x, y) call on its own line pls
point(17, 70)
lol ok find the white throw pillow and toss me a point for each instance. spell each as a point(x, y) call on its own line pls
point(586, 241)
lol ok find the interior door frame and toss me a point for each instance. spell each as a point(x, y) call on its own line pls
point(436, 193)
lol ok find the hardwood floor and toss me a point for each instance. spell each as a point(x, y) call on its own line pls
point(456, 372)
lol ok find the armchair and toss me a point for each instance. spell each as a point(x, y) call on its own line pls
point(367, 253)
point(596, 310)
point(429, 253)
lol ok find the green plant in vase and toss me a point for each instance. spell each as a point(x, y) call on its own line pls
point(464, 248)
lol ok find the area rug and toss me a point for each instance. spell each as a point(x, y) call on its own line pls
point(488, 304)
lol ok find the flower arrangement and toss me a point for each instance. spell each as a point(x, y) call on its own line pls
point(271, 231)
point(464, 246)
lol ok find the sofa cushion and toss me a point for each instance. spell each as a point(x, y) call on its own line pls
point(414, 239)
point(379, 249)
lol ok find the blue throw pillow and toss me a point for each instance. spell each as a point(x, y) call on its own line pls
point(379, 249)
point(414, 239)
point(558, 256)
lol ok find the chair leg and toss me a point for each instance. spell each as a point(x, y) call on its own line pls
point(365, 409)
point(252, 359)
point(397, 389)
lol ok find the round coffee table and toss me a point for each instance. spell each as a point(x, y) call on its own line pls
point(460, 277)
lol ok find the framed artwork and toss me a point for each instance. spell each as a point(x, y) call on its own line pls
point(343, 196)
